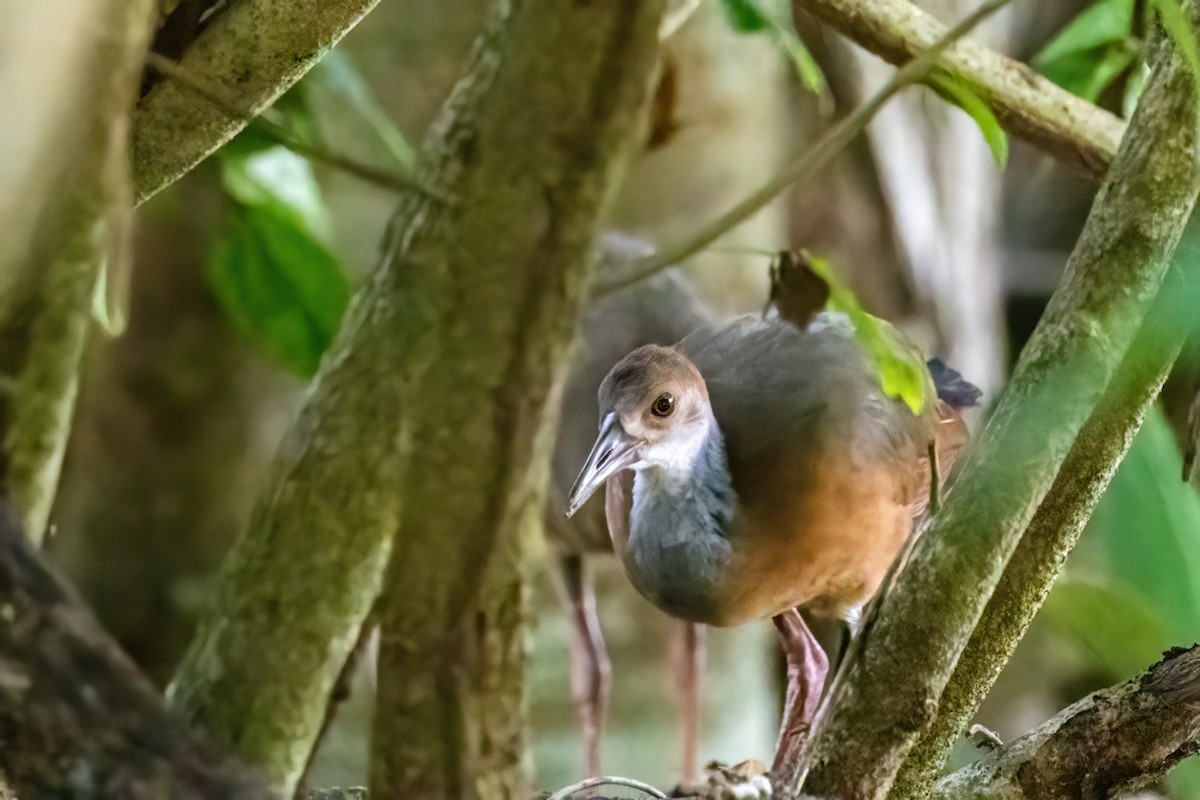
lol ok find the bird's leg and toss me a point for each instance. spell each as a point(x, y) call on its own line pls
point(691, 673)
point(807, 667)
point(591, 672)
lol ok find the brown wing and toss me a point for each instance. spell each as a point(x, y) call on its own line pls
point(618, 501)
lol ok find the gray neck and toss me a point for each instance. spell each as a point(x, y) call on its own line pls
point(679, 526)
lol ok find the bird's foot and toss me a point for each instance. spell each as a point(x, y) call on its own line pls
point(747, 780)
point(807, 668)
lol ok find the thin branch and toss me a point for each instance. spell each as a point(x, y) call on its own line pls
point(1061, 518)
point(1110, 283)
point(1114, 741)
point(260, 46)
point(812, 158)
point(83, 231)
point(222, 100)
point(1027, 105)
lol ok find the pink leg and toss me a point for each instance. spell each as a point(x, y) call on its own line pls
point(591, 672)
point(692, 672)
point(807, 667)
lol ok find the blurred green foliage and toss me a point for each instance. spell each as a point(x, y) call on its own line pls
point(1132, 588)
point(337, 75)
point(1101, 44)
point(1093, 50)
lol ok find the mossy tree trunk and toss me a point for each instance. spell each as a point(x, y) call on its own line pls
point(427, 417)
point(528, 145)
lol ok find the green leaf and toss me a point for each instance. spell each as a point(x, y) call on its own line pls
point(271, 270)
point(745, 16)
point(279, 285)
point(338, 73)
point(1087, 74)
point(1100, 24)
point(1170, 12)
point(1132, 587)
point(773, 19)
point(902, 371)
point(965, 98)
point(1147, 527)
point(1092, 50)
point(1133, 88)
point(256, 171)
point(1184, 779)
point(806, 66)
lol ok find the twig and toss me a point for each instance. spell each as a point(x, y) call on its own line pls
point(85, 229)
point(281, 134)
point(1026, 104)
point(811, 158)
point(935, 483)
point(1113, 741)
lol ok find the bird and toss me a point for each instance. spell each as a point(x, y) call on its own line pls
point(757, 469)
point(661, 310)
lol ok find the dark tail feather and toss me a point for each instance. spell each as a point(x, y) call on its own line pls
point(952, 387)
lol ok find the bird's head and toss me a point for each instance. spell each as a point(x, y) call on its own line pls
point(654, 411)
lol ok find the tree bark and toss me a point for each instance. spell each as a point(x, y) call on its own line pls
point(426, 416)
point(1111, 279)
point(528, 146)
point(77, 718)
point(1113, 741)
point(261, 47)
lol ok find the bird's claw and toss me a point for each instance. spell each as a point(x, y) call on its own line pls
point(747, 780)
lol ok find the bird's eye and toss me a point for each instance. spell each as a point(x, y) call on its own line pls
point(663, 405)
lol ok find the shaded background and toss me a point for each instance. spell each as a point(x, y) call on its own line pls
point(231, 308)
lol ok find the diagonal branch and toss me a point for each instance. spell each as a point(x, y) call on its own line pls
point(1111, 280)
point(1061, 518)
point(217, 96)
point(1026, 104)
point(1113, 741)
point(261, 46)
point(811, 158)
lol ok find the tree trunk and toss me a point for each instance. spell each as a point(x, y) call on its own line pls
point(513, 252)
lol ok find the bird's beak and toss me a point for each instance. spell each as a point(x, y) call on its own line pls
point(613, 451)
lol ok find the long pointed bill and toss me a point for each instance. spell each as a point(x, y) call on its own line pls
point(613, 451)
